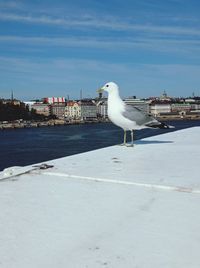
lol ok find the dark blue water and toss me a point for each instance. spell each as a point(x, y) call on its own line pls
point(28, 146)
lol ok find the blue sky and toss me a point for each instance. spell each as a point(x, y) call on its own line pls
point(57, 48)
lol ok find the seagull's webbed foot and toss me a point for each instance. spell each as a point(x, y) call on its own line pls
point(125, 143)
point(129, 145)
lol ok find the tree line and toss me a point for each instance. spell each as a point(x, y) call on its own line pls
point(11, 112)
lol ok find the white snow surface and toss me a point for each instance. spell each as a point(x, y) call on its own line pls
point(113, 207)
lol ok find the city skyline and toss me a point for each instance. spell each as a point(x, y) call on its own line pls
point(50, 48)
point(104, 96)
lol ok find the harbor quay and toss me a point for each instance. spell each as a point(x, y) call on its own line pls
point(49, 123)
point(112, 207)
point(5, 125)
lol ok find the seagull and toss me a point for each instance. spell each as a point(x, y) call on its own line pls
point(126, 116)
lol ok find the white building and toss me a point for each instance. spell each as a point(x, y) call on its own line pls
point(157, 108)
point(181, 107)
point(102, 108)
point(88, 110)
point(41, 108)
point(73, 110)
point(29, 104)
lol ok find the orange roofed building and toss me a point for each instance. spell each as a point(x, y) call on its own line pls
point(73, 110)
point(81, 110)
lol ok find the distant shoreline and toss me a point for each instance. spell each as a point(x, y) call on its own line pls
point(178, 118)
point(59, 122)
point(23, 124)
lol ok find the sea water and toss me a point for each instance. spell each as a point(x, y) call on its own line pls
point(27, 146)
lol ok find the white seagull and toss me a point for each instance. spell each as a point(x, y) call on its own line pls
point(127, 116)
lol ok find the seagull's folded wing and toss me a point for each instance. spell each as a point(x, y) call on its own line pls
point(134, 114)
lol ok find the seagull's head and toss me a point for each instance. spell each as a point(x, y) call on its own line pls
point(110, 87)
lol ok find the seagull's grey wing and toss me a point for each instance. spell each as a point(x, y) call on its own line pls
point(134, 114)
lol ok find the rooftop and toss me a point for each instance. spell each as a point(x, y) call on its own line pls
point(112, 207)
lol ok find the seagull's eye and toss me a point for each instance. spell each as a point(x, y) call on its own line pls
point(107, 85)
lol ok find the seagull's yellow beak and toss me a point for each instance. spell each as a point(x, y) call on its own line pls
point(100, 90)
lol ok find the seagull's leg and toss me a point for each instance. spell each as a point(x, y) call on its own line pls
point(124, 137)
point(124, 143)
point(131, 145)
point(132, 138)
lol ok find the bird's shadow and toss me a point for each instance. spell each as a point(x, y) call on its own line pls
point(143, 142)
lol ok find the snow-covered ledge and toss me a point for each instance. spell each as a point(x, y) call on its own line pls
point(113, 207)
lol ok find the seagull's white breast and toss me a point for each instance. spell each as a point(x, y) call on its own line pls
point(115, 112)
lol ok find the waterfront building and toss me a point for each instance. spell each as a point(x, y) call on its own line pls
point(41, 108)
point(29, 104)
point(157, 108)
point(88, 110)
point(195, 107)
point(102, 108)
point(73, 110)
point(53, 100)
point(58, 109)
point(81, 110)
point(11, 101)
point(189, 100)
point(181, 107)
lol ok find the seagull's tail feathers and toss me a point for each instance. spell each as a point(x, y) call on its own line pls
point(157, 124)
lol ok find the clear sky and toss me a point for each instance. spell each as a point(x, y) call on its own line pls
point(57, 48)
